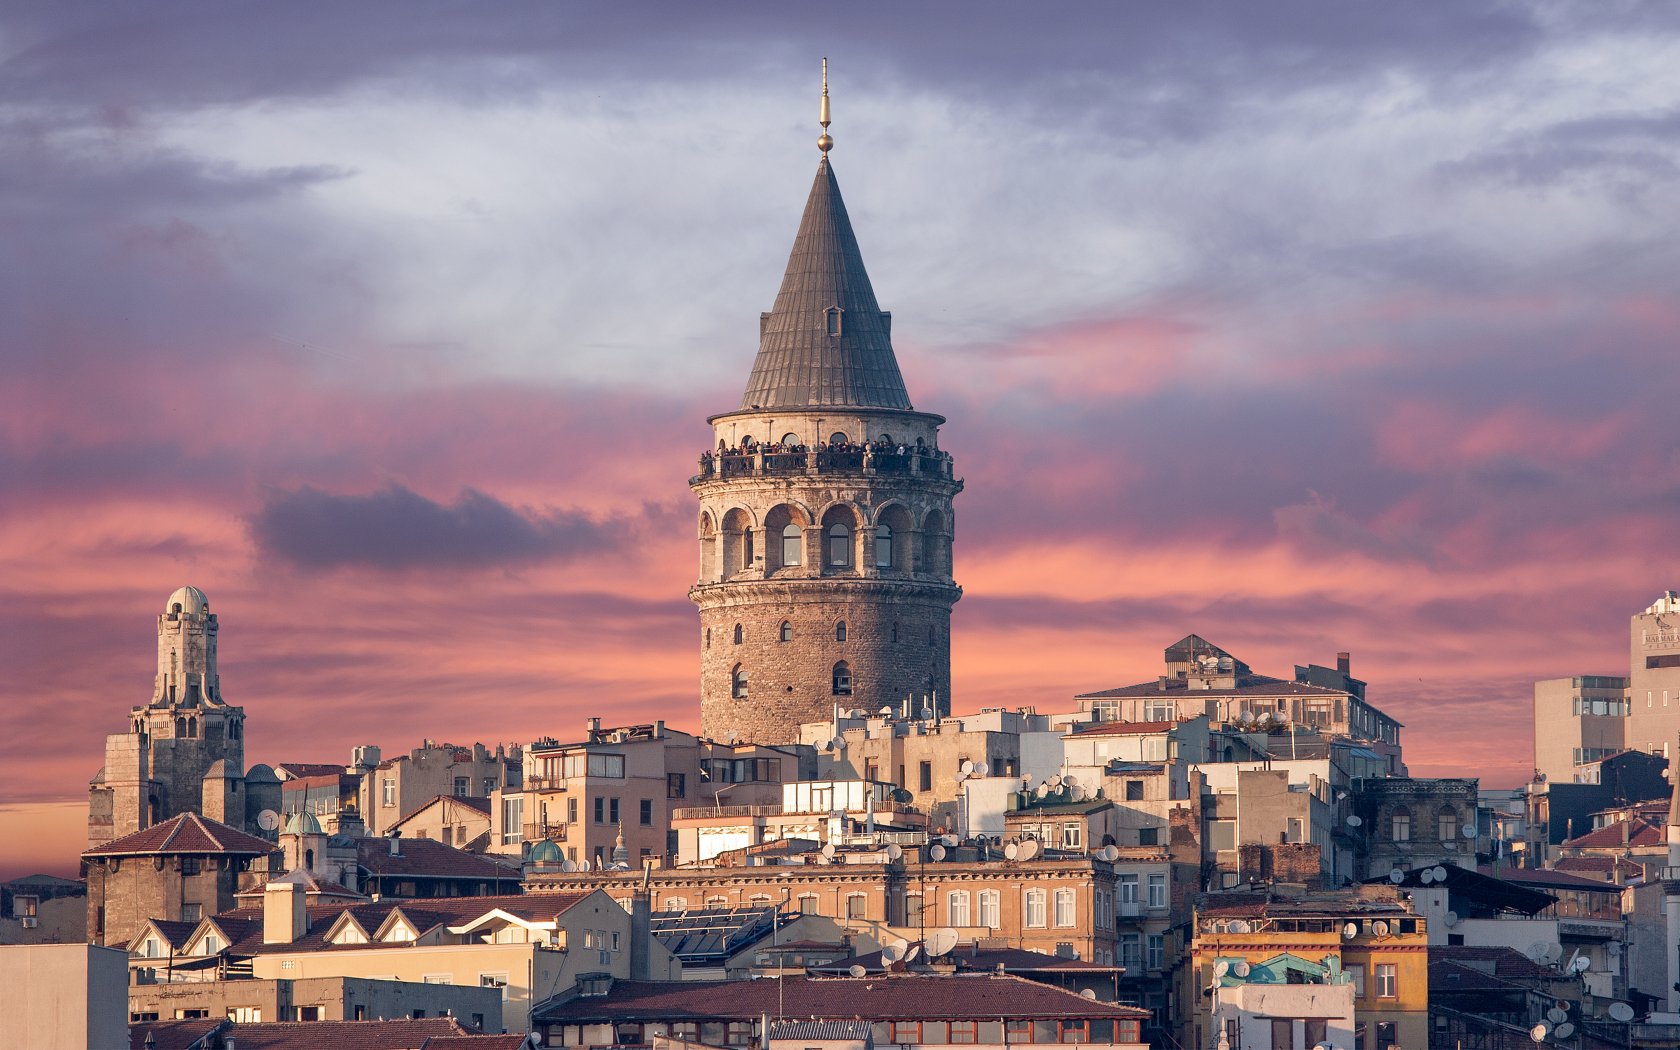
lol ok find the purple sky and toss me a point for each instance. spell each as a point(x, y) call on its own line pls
point(1305, 327)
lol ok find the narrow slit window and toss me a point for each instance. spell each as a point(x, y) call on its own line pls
point(834, 320)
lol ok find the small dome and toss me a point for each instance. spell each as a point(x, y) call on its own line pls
point(261, 773)
point(188, 601)
point(303, 823)
point(218, 769)
point(545, 852)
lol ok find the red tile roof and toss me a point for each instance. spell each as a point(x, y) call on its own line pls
point(428, 858)
point(475, 1042)
point(187, 833)
point(401, 1034)
point(1643, 832)
point(1446, 976)
point(173, 1035)
point(1247, 685)
point(1559, 880)
point(898, 997)
point(1123, 728)
point(1500, 961)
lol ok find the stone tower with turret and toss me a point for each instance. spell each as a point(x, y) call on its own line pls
point(825, 519)
point(185, 750)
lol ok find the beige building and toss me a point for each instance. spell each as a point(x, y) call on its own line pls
point(825, 521)
point(1584, 719)
point(1653, 719)
point(43, 909)
point(63, 996)
point(250, 1000)
point(455, 820)
point(629, 782)
point(398, 786)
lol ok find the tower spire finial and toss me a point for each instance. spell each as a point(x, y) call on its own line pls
point(824, 141)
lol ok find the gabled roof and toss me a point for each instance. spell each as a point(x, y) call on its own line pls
point(427, 858)
point(1499, 961)
point(1641, 832)
point(1447, 977)
point(424, 915)
point(1551, 880)
point(191, 1034)
point(856, 1031)
point(311, 884)
point(1247, 685)
point(970, 958)
point(400, 1034)
point(187, 833)
point(174, 933)
point(480, 805)
point(881, 997)
point(799, 362)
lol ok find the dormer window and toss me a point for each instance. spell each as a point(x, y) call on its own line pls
point(834, 320)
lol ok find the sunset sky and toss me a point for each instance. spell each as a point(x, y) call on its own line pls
point(1301, 326)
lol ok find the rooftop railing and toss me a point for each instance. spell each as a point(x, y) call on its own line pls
point(780, 461)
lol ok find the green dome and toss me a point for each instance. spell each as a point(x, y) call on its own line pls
point(545, 852)
point(303, 823)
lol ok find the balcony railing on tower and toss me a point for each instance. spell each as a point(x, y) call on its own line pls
point(781, 460)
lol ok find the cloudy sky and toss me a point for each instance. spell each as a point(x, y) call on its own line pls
point(1302, 326)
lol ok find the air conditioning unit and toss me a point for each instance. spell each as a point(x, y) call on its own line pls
point(30, 922)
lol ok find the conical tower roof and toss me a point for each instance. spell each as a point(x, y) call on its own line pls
point(826, 341)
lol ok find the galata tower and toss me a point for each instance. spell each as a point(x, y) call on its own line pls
point(825, 510)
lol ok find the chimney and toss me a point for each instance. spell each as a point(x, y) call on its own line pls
point(285, 918)
point(641, 930)
point(1344, 663)
point(594, 728)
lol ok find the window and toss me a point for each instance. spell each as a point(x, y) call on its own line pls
point(883, 548)
point(965, 1031)
point(990, 906)
point(839, 545)
point(926, 772)
point(571, 810)
point(192, 912)
point(791, 535)
point(676, 785)
point(494, 980)
point(245, 1014)
point(1446, 825)
point(192, 865)
point(842, 679)
point(1128, 889)
point(1157, 946)
point(1065, 908)
point(1131, 950)
point(914, 907)
point(738, 682)
point(1387, 981)
point(1073, 836)
point(1033, 909)
point(513, 815)
point(1401, 825)
point(647, 812)
point(600, 809)
point(1157, 891)
point(786, 632)
point(857, 906)
point(388, 792)
point(210, 945)
point(808, 904)
point(840, 631)
point(739, 634)
point(1149, 836)
point(834, 325)
point(1134, 791)
point(956, 908)
point(1388, 1035)
point(906, 1032)
point(676, 903)
point(1315, 1030)
point(1356, 977)
point(612, 806)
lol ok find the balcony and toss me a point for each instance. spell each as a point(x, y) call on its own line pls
point(538, 832)
point(778, 461)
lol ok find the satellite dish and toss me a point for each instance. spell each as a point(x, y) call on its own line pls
point(855, 970)
point(1240, 967)
point(967, 768)
point(837, 744)
point(1536, 951)
point(885, 712)
point(1043, 789)
point(1469, 831)
point(894, 851)
point(1240, 926)
point(1426, 876)
point(1012, 852)
point(1055, 780)
point(828, 850)
point(1069, 781)
point(941, 941)
point(1350, 931)
point(824, 860)
point(568, 866)
point(1451, 919)
point(1397, 876)
point(583, 865)
point(1439, 872)
point(1621, 1012)
point(912, 951)
point(936, 852)
point(927, 712)
point(1582, 964)
point(1538, 1033)
point(1088, 993)
point(1029, 849)
point(1221, 968)
point(1614, 949)
point(1354, 820)
point(1111, 853)
point(1564, 1030)
point(1380, 928)
point(1554, 952)
point(1557, 1016)
point(893, 952)
point(268, 820)
point(982, 769)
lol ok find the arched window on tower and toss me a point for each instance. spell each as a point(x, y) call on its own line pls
point(738, 682)
point(708, 637)
point(883, 547)
point(181, 727)
point(738, 634)
point(192, 727)
point(839, 545)
point(792, 535)
point(842, 679)
point(895, 632)
point(840, 631)
point(786, 632)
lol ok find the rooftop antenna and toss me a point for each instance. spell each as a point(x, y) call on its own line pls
point(824, 141)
